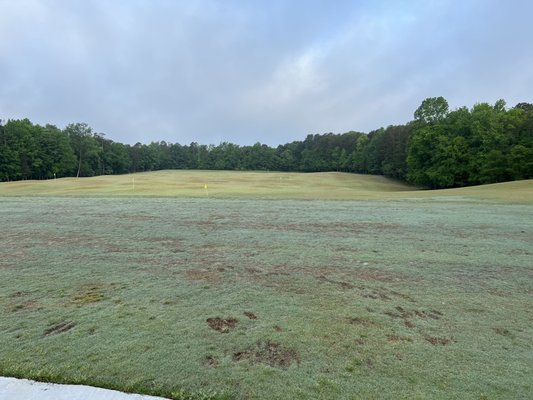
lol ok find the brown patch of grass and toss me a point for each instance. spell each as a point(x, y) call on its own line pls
point(407, 315)
point(395, 339)
point(428, 314)
point(270, 353)
point(222, 325)
point(408, 323)
point(436, 341)
point(89, 294)
point(250, 315)
point(58, 328)
point(212, 361)
point(278, 328)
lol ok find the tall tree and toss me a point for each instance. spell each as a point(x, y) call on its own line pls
point(85, 147)
point(432, 110)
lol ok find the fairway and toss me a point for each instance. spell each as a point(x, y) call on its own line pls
point(266, 185)
point(371, 290)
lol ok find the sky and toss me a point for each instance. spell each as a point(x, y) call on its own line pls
point(252, 71)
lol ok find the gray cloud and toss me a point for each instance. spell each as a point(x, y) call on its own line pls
point(244, 71)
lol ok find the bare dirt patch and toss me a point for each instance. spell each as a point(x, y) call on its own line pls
point(222, 325)
point(270, 353)
point(58, 328)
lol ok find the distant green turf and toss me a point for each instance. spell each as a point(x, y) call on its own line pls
point(269, 185)
point(408, 298)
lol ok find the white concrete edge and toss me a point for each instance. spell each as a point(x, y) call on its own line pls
point(24, 389)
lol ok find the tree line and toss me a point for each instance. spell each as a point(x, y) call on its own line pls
point(437, 149)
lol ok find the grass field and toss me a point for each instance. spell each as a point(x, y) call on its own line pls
point(267, 185)
point(411, 295)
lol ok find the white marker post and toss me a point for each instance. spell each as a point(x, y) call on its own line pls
point(133, 184)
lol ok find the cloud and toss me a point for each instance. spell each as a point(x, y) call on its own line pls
point(210, 71)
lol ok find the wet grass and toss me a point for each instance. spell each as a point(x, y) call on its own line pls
point(263, 299)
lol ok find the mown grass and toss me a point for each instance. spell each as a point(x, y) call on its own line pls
point(262, 299)
point(217, 184)
point(268, 185)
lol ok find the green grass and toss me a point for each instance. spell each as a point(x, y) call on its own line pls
point(220, 184)
point(268, 185)
point(405, 298)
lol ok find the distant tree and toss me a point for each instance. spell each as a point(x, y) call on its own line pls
point(58, 159)
point(85, 147)
point(432, 110)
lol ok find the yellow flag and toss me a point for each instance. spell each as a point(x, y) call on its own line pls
point(205, 186)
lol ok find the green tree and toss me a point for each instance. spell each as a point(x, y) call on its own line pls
point(85, 147)
point(432, 110)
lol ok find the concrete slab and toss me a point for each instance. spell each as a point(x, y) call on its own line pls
point(24, 389)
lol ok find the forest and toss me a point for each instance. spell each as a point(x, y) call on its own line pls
point(439, 148)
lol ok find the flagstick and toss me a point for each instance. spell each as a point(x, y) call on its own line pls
point(133, 183)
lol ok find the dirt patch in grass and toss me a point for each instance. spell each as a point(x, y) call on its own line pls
point(222, 325)
point(202, 275)
point(437, 341)
point(58, 328)
point(270, 353)
point(212, 361)
point(407, 315)
point(395, 339)
point(250, 315)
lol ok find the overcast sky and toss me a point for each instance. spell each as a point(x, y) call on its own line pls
point(256, 71)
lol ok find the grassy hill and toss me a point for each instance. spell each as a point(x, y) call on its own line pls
point(271, 185)
point(194, 285)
